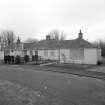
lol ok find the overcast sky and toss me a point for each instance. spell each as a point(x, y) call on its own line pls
point(35, 18)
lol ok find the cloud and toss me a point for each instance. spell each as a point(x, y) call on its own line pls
point(35, 18)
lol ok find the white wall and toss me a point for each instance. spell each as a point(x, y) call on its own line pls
point(65, 55)
point(54, 56)
point(66, 58)
point(99, 57)
point(12, 53)
point(1, 55)
point(49, 55)
point(28, 52)
point(90, 56)
point(20, 53)
point(41, 53)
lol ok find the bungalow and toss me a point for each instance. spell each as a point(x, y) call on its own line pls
point(68, 51)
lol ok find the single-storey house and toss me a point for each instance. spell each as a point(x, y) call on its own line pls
point(68, 51)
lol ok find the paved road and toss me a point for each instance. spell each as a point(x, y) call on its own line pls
point(60, 88)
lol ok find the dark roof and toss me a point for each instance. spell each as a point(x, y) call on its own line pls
point(27, 46)
point(77, 43)
point(46, 44)
point(64, 44)
point(54, 44)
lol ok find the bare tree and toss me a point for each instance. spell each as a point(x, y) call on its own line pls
point(59, 37)
point(101, 44)
point(7, 37)
point(56, 35)
point(62, 36)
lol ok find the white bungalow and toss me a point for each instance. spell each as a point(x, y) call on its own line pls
point(68, 51)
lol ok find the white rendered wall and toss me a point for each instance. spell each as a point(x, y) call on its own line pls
point(55, 55)
point(90, 56)
point(18, 53)
point(12, 53)
point(48, 55)
point(41, 53)
point(65, 55)
point(1, 55)
point(99, 57)
point(28, 52)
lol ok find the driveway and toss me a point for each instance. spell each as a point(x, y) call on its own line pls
point(58, 88)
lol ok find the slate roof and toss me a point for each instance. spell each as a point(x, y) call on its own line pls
point(54, 44)
point(46, 44)
point(27, 46)
point(77, 43)
point(64, 44)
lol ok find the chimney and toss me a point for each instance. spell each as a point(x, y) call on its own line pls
point(80, 35)
point(48, 37)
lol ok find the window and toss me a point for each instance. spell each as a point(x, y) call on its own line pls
point(31, 53)
point(77, 54)
point(36, 52)
point(46, 52)
point(25, 52)
point(52, 53)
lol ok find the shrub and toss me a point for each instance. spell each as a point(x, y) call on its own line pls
point(33, 58)
point(99, 63)
point(26, 58)
point(17, 59)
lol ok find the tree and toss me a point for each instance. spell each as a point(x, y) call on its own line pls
point(63, 36)
point(31, 40)
point(56, 35)
point(7, 37)
point(100, 44)
point(59, 37)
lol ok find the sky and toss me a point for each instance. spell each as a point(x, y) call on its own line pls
point(36, 18)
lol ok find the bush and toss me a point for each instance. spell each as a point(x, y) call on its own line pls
point(33, 58)
point(17, 59)
point(26, 58)
point(99, 63)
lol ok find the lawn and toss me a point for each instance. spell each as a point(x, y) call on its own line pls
point(19, 86)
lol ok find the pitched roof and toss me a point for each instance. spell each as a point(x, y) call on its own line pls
point(46, 44)
point(27, 46)
point(64, 44)
point(77, 43)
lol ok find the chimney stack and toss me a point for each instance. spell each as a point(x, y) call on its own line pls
point(48, 37)
point(80, 35)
